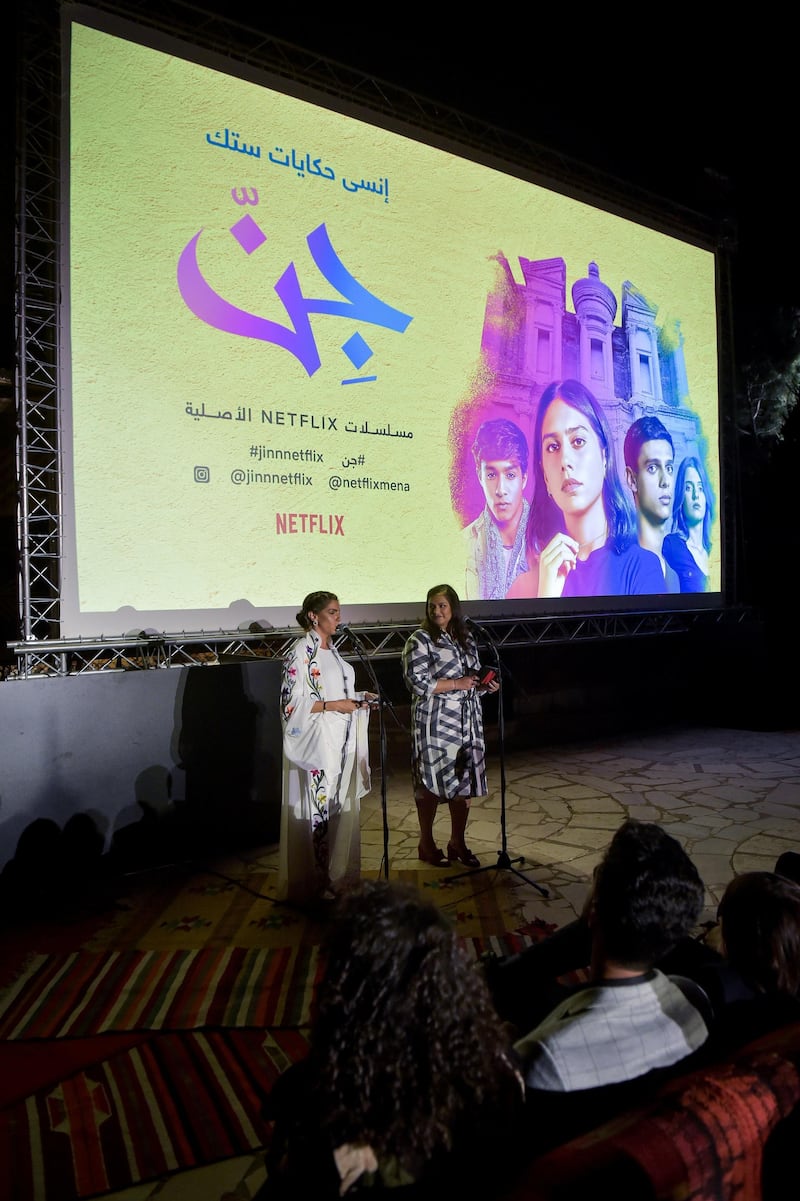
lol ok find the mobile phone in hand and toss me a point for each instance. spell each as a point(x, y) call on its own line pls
point(487, 676)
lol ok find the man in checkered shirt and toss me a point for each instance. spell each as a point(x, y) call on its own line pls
point(630, 1017)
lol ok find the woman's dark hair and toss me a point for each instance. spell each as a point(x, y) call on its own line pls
point(546, 519)
point(457, 628)
point(405, 1044)
point(679, 525)
point(314, 602)
point(647, 894)
point(760, 918)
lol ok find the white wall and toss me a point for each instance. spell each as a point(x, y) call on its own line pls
point(200, 741)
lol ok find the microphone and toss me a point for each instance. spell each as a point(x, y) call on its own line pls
point(378, 703)
point(479, 628)
point(351, 634)
point(488, 639)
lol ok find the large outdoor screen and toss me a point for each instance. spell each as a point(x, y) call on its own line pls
point(304, 350)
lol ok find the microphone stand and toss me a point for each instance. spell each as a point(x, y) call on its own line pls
point(504, 860)
point(381, 704)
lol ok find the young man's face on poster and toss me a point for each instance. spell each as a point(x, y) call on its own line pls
point(503, 483)
point(655, 481)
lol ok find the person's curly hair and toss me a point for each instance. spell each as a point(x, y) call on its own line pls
point(405, 1043)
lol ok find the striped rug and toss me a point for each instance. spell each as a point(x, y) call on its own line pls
point(210, 1030)
point(86, 993)
point(173, 1102)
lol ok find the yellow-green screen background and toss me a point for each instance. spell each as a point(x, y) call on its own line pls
point(150, 383)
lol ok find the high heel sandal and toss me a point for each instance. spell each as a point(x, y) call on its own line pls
point(466, 856)
point(438, 859)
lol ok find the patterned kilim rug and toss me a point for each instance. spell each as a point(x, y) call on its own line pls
point(173, 1102)
point(205, 908)
point(85, 993)
point(189, 998)
point(88, 993)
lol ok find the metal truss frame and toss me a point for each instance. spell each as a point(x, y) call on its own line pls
point(41, 651)
point(207, 648)
point(37, 289)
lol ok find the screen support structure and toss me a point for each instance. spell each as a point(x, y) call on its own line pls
point(37, 288)
point(504, 860)
point(38, 291)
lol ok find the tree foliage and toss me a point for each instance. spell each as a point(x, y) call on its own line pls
point(771, 376)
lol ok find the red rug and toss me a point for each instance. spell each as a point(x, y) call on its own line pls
point(87, 993)
point(26, 1067)
point(124, 1067)
point(173, 1102)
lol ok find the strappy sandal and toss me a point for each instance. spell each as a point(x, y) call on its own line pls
point(466, 856)
point(437, 859)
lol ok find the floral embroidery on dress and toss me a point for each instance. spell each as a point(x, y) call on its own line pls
point(290, 673)
point(319, 796)
point(324, 797)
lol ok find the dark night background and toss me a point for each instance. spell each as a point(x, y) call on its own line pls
point(700, 116)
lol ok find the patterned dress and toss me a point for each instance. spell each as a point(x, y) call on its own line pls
point(325, 773)
point(448, 743)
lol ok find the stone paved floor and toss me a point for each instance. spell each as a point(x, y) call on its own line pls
point(731, 797)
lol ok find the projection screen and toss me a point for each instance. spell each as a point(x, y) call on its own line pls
point(284, 326)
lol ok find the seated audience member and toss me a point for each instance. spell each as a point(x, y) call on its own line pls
point(410, 1081)
point(630, 1018)
point(755, 989)
point(788, 865)
point(754, 986)
point(751, 954)
point(495, 540)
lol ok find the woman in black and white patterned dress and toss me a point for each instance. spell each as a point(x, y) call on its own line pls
point(441, 670)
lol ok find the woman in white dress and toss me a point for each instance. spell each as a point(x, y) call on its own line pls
point(325, 760)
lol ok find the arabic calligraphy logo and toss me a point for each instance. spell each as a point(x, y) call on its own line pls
point(242, 196)
point(359, 304)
